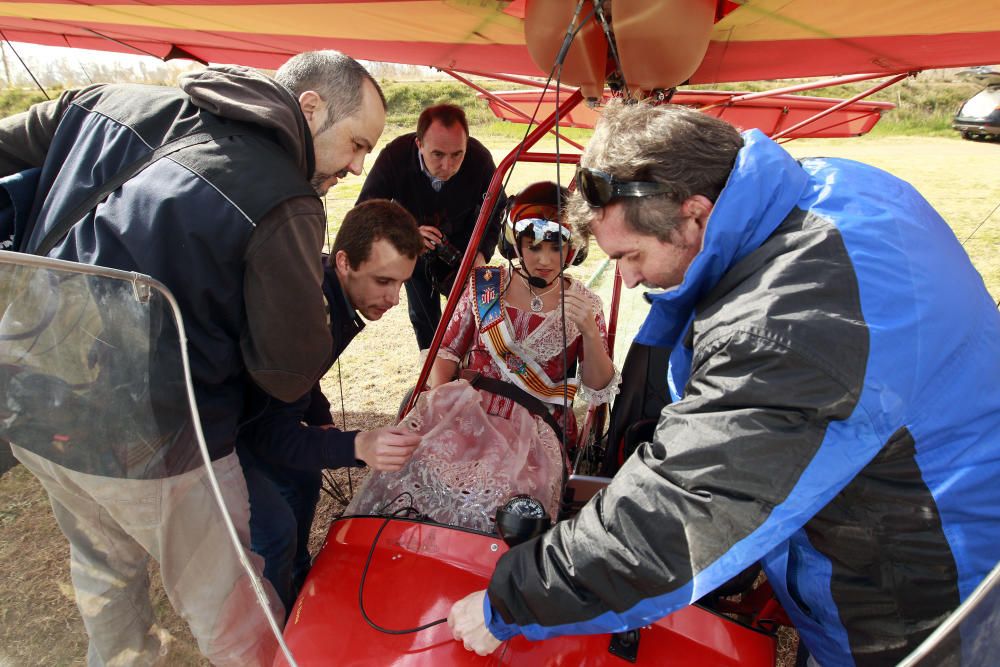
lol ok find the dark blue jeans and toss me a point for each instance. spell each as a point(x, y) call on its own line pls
point(424, 305)
point(282, 505)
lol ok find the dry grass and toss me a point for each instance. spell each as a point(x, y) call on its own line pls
point(36, 595)
point(38, 620)
point(959, 178)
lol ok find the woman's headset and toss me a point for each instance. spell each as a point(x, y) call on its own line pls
point(534, 211)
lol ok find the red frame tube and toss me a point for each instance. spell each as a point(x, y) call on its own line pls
point(545, 126)
point(616, 299)
point(591, 419)
point(812, 85)
point(841, 105)
point(549, 158)
point(510, 78)
point(827, 127)
point(510, 107)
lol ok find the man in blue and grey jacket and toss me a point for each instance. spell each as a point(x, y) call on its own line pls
point(835, 415)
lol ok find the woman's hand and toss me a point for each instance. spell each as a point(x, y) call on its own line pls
point(596, 369)
point(580, 311)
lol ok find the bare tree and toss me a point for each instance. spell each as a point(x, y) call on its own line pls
point(6, 65)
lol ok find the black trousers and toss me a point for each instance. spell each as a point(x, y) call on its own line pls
point(424, 305)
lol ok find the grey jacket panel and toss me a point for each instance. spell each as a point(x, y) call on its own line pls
point(769, 374)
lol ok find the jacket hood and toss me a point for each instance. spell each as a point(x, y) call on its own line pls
point(244, 94)
point(763, 188)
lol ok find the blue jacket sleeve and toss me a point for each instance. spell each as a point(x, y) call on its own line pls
point(714, 492)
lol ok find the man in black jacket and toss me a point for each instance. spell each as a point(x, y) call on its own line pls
point(234, 227)
point(439, 174)
point(283, 447)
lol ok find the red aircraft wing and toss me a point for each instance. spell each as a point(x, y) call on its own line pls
point(753, 40)
point(770, 114)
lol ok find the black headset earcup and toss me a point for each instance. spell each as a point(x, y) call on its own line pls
point(505, 244)
point(581, 253)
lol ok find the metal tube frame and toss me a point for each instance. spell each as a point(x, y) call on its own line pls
point(508, 106)
point(522, 80)
point(736, 99)
point(812, 85)
point(841, 105)
point(547, 125)
point(616, 299)
point(861, 114)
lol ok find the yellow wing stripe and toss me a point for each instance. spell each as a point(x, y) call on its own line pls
point(430, 21)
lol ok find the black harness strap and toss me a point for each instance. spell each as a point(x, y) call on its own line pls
point(514, 393)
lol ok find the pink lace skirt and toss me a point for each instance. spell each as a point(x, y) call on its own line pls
point(468, 463)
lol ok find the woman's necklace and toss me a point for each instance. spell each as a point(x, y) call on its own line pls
point(536, 302)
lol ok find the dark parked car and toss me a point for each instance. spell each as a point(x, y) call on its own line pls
point(979, 117)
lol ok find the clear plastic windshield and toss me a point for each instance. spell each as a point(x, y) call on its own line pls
point(91, 373)
point(96, 401)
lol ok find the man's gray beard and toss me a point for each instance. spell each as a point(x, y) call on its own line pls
point(317, 182)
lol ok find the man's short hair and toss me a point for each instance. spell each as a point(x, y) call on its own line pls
point(337, 78)
point(373, 220)
point(690, 151)
point(446, 114)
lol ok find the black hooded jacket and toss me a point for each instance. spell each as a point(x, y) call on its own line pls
point(232, 227)
point(285, 434)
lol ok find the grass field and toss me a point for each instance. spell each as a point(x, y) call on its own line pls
point(38, 620)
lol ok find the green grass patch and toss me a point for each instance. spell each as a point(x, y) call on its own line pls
point(405, 101)
point(16, 100)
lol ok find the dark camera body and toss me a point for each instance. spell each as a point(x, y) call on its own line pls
point(445, 252)
point(442, 264)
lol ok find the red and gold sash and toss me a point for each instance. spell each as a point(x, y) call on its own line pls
point(516, 364)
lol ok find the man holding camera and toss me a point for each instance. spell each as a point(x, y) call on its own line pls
point(439, 174)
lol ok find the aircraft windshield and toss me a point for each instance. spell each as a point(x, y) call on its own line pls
point(91, 373)
point(93, 379)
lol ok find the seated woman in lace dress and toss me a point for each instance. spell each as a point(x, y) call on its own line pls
point(482, 446)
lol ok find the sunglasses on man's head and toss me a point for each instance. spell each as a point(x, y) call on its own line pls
point(600, 188)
